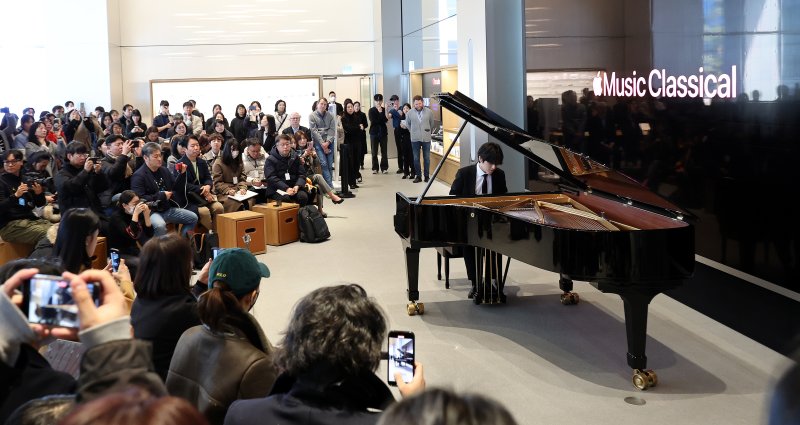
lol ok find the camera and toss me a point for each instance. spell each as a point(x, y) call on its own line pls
point(5, 110)
point(30, 178)
point(155, 205)
point(95, 159)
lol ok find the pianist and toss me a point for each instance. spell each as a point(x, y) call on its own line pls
point(483, 178)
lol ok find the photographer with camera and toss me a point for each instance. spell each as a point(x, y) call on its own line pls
point(18, 223)
point(118, 168)
point(80, 182)
point(37, 142)
point(157, 187)
point(35, 171)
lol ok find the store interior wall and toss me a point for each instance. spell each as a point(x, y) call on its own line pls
point(209, 39)
point(65, 56)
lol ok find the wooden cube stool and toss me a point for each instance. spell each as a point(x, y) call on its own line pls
point(280, 223)
point(242, 229)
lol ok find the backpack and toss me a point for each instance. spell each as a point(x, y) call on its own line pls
point(202, 244)
point(313, 228)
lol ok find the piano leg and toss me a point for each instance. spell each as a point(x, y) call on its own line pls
point(412, 273)
point(636, 305)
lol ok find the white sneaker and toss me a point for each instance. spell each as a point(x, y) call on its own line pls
point(385, 171)
point(374, 172)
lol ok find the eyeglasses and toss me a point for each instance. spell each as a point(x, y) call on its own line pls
point(12, 161)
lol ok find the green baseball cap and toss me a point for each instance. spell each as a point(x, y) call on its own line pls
point(239, 269)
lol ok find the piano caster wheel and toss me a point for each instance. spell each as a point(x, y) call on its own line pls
point(415, 308)
point(644, 379)
point(570, 298)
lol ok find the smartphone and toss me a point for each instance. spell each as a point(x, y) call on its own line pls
point(214, 252)
point(114, 259)
point(82, 109)
point(47, 300)
point(401, 356)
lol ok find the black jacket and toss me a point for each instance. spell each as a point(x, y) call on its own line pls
point(150, 186)
point(194, 181)
point(378, 122)
point(123, 233)
point(466, 179)
point(114, 170)
point(13, 208)
point(148, 318)
point(78, 188)
point(31, 377)
point(317, 398)
point(276, 167)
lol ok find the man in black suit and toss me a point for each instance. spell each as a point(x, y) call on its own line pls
point(483, 178)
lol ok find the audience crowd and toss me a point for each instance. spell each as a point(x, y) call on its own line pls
point(157, 348)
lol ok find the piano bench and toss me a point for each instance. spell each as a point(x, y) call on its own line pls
point(447, 252)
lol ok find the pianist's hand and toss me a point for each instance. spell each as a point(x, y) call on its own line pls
point(417, 384)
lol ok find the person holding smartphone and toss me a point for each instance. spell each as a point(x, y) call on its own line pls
point(340, 331)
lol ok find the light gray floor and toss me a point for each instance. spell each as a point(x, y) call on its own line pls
point(548, 363)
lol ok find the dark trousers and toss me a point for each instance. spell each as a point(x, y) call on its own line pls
point(375, 141)
point(408, 155)
point(348, 161)
point(398, 143)
point(469, 262)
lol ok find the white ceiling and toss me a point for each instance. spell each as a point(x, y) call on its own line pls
point(262, 23)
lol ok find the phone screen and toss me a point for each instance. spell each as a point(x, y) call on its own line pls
point(115, 260)
point(401, 355)
point(214, 252)
point(48, 301)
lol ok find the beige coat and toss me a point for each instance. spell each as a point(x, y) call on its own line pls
point(222, 176)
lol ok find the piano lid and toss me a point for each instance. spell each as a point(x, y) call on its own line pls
point(575, 170)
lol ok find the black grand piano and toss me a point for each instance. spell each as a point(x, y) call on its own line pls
point(593, 224)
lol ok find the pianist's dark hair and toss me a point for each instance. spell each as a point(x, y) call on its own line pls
point(439, 406)
point(337, 328)
point(491, 152)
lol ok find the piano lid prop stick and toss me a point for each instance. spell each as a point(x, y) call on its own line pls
point(439, 167)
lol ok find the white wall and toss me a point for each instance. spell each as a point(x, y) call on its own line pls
point(54, 52)
point(212, 39)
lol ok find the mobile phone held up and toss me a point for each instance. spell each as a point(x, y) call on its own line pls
point(114, 259)
point(47, 300)
point(402, 351)
point(214, 252)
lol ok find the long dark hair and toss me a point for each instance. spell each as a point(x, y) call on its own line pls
point(76, 225)
point(227, 157)
point(165, 268)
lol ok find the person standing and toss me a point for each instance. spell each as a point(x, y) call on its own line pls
point(397, 116)
point(483, 178)
point(377, 134)
point(323, 125)
point(420, 122)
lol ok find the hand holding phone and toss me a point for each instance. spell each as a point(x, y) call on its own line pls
point(402, 356)
point(214, 252)
point(50, 301)
point(115, 259)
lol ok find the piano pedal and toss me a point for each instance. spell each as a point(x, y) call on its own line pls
point(570, 298)
point(413, 308)
point(644, 379)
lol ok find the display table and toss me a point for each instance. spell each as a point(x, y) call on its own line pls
point(242, 229)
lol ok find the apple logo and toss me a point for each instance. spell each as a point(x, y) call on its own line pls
point(597, 84)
